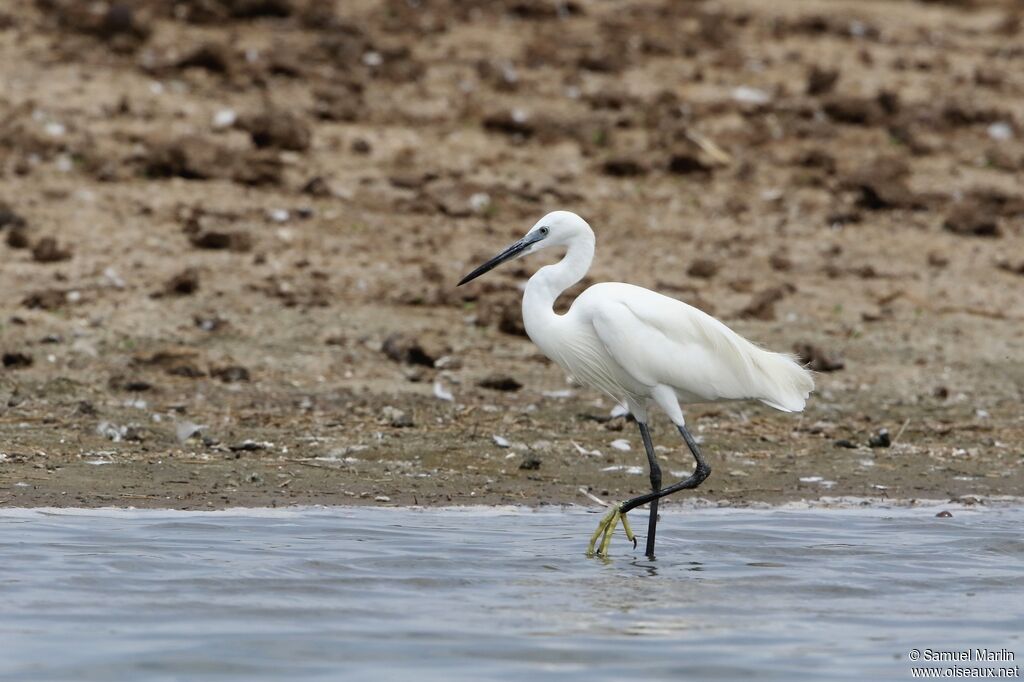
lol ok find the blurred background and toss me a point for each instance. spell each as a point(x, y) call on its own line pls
point(230, 232)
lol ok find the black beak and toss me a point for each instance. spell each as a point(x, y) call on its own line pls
point(506, 255)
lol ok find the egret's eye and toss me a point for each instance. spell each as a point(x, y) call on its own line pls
point(544, 231)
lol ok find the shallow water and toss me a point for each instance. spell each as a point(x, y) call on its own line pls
point(360, 593)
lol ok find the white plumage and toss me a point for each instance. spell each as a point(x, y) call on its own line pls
point(641, 347)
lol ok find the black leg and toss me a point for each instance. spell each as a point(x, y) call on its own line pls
point(652, 461)
point(695, 479)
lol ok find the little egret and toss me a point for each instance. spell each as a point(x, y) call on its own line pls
point(642, 348)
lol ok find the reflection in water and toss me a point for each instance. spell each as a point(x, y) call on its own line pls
point(304, 594)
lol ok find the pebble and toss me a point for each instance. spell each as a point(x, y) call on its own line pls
point(1000, 130)
point(186, 430)
point(441, 393)
point(625, 469)
point(397, 418)
point(880, 439)
point(224, 118)
point(530, 463)
point(748, 95)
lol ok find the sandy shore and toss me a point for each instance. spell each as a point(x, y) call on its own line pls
point(230, 235)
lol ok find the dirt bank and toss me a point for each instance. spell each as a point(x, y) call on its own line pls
point(231, 232)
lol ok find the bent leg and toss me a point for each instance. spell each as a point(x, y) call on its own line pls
point(695, 479)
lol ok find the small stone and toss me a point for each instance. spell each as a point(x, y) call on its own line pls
point(530, 463)
point(247, 446)
point(397, 418)
point(880, 439)
point(224, 118)
point(187, 430)
point(944, 515)
point(745, 94)
point(500, 382)
point(442, 393)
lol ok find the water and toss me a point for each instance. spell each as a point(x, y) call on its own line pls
point(349, 593)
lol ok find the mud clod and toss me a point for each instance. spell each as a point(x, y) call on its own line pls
point(817, 359)
point(185, 283)
point(10, 219)
point(500, 382)
point(762, 305)
point(46, 250)
point(971, 219)
point(404, 349)
point(277, 129)
point(18, 238)
point(239, 242)
point(213, 57)
point(704, 268)
point(820, 81)
point(230, 374)
point(17, 360)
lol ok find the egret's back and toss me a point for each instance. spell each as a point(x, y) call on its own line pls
point(659, 340)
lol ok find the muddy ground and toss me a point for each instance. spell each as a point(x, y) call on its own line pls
point(231, 231)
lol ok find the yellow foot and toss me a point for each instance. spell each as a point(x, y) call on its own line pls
point(605, 530)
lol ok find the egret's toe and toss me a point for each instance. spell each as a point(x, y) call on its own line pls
point(605, 530)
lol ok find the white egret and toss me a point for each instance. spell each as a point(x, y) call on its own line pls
point(642, 349)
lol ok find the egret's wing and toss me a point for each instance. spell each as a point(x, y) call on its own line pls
point(659, 340)
point(657, 351)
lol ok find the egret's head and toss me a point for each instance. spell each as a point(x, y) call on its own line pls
point(558, 228)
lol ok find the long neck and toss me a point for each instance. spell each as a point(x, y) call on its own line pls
point(550, 281)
